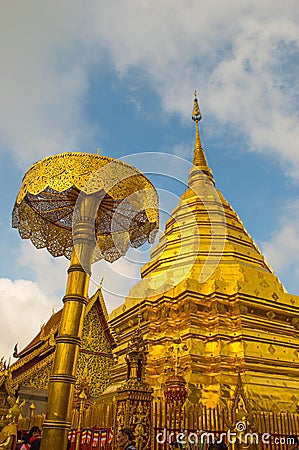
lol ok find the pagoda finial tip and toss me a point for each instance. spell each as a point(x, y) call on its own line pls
point(196, 114)
point(199, 159)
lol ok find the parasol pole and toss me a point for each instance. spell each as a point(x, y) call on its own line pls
point(63, 376)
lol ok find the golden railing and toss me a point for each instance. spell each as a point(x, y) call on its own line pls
point(192, 418)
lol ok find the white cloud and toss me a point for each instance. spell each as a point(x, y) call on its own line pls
point(27, 304)
point(116, 280)
point(251, 86)
point(24, 307)
point(282, 248)
point(242, 55)
point(43, 77)
point(49, 273)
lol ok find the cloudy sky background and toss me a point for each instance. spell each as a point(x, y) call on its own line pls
point(120, 75)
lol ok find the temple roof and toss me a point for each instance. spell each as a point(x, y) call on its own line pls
point(45, 331)
point(43, 344)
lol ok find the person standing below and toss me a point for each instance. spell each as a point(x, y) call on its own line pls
point(125, 439)
point(35, 444)
point(29, 439)
point(35, 438)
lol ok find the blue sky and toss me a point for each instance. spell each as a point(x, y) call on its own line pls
point(120, 76)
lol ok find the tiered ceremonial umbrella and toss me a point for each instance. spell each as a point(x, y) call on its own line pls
point(85, 207)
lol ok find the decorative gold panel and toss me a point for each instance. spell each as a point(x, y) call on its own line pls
point(39, 377)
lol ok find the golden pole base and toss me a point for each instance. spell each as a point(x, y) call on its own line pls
point(63, 376)
point(62, 380)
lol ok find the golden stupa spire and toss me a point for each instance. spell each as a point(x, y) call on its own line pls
point(199, 159)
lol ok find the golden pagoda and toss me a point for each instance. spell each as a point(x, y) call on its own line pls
point(208, 283)
point(207, 339)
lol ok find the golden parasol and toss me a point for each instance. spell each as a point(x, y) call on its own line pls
point(85, 207)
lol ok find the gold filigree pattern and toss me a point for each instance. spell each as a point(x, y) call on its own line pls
point(63, 171)
point(142, 424)
point(98, 368)
point(126, 204)
point(38, 377)
point(95, 358)
point(134, 411)
point(94, 338)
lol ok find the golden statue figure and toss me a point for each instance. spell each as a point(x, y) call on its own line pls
point(8, 435)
